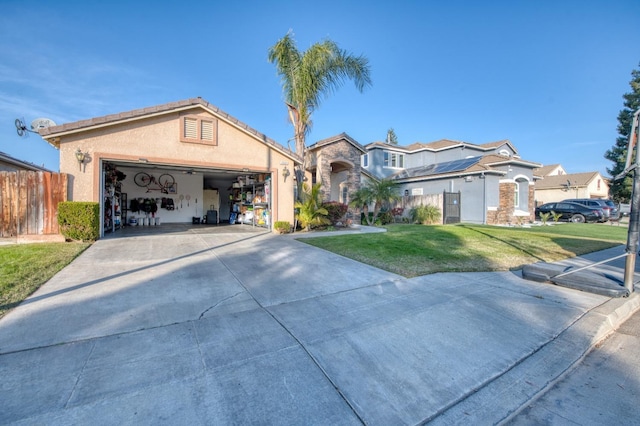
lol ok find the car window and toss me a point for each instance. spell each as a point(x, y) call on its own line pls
point(565, 206)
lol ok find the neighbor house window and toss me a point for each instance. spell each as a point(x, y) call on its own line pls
point(365, 160)
point(345, 194)
point(393, 160)
point(199, 130)
point(516, 196)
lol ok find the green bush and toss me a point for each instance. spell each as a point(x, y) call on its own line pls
point(282, 226)
point(425, 215)
point(544, 217)
point(336, 211)
point(311, 213)
point(385, 218)
point(79, 220)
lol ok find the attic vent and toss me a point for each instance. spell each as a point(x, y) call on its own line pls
point(190, 128)
point(504, 153)
point(199, 130)
point(206, 130)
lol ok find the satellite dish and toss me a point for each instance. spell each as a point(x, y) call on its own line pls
point(41, 123)
point(37, 124)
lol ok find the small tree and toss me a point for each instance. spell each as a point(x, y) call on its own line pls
point(620, 190)
point(310, 210)
point(361, 200)
point(556, 216)
point(392, 139)
point(379, 193)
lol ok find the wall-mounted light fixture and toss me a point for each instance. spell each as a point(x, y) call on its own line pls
point(80, 156)
point(285, 173)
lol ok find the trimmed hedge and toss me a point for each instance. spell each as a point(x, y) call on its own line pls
point(79, 220)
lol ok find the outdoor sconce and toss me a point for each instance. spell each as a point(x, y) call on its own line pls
point(285, 173)
point(80, 156)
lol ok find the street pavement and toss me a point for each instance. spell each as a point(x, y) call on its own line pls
point(604, 389)
point(230, 325)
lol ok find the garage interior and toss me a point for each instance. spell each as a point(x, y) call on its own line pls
point(184, 195)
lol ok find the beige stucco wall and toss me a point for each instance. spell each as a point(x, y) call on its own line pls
point(157, 139)
point(591, 191)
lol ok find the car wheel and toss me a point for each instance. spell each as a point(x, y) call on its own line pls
point(577, 218)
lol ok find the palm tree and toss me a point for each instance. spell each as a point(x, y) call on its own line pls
point(361, 200)
point(379, 193)
point(384, 192)
point(310, 210)
point(309, 76)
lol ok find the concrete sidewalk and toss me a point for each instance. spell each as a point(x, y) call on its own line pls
point(250, 327)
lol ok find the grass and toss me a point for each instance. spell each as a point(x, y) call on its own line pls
point(25, 267)
point(413, 250)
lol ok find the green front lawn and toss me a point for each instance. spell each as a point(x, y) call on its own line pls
point(413, 250)
point(25, 267)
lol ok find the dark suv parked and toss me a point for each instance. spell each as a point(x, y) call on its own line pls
point(573, 212)
point(608, 207)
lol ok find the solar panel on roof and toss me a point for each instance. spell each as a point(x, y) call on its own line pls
point(438, 168)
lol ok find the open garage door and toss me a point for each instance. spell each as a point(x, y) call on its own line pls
point(143, 194)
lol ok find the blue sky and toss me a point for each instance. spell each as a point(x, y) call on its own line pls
point(547, 75)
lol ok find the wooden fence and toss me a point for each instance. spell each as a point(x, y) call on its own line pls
point(29, 203)
point(408, 202)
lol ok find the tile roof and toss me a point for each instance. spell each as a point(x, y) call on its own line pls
point(545, 170)
point(470, 165)
point(336, 138)
point(443, 144)
point(560, 181)
point(82, 125)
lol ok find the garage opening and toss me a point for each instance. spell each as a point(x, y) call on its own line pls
point(143, 194)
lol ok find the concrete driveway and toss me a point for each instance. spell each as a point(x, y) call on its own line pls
point(199, 327)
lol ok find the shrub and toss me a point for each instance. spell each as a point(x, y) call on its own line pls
point(385, 218)
point(282, 226)
point(556, 216)
point(79, 220)
point(426, 215)
point(544, 217)
point(336, 211)
point(310, 211)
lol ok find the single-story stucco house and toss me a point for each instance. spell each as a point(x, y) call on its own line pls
point(176, 163)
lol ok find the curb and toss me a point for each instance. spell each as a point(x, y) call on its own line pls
point(504, 396)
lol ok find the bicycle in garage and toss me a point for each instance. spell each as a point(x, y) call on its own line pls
point(163, 183)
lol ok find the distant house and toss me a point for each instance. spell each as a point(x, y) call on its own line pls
point(11, 164)
point(493, 184)
point(550, 170)
point(556, 185)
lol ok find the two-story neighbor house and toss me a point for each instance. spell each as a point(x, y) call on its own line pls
point(493, 184)
point(555, 184)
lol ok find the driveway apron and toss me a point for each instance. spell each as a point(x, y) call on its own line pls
point(251, 327)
